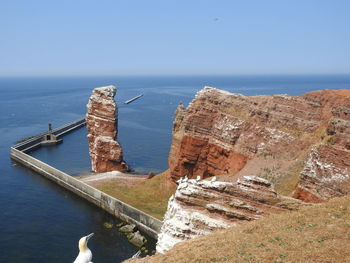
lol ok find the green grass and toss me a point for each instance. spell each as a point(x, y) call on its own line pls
point(150, 196)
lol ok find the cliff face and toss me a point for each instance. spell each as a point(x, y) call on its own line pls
point(101, 122)
point(327, 167)
point(200, 207)
point(271, 136)
point(301, 144)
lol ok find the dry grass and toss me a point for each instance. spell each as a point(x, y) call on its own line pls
point(150, 196)
point(320, 233)
point(287, 183)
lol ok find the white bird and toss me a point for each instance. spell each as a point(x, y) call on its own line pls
point(85, 254)
point(198, 178)
point(213, 179)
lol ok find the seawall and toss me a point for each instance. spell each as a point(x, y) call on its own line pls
point(35, 141)
point(123, 211)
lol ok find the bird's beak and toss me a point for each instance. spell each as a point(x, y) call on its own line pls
point(89, 236)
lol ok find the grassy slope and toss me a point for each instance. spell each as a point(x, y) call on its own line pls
point(320, 233)
point(150, 196)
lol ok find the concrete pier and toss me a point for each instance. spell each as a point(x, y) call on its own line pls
point(132, 99)
point(34, 142)
point(123, 211)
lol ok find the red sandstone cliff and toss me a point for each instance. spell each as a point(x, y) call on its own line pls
point(301, 144)
point(101, 121)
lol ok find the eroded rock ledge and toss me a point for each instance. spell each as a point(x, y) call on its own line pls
point(101, 121)
point(200, 207)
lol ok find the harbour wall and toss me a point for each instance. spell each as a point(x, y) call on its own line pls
point(35, 141)
point(123, 211)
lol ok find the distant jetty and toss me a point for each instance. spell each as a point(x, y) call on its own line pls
point(132, 99)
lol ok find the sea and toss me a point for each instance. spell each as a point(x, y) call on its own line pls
point(42, 222)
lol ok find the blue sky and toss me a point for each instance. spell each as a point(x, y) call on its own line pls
point(100, 37)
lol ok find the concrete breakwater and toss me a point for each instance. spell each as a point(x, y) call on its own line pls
point(35, 141)
point(123, 211)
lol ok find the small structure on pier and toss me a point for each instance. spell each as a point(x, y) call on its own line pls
point(49, 138)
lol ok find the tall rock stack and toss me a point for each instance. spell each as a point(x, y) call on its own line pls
point(101, 121)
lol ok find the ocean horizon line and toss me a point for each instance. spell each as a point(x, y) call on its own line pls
point(179, 75)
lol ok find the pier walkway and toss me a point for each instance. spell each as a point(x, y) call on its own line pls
point(34, 142)
point(146, 223)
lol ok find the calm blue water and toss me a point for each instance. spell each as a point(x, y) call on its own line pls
point(39, 221)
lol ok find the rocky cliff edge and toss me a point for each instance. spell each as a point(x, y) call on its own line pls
point(262, 148)
point(300, 143)
point(200, 207)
